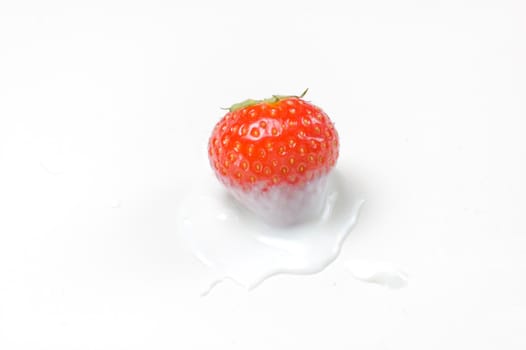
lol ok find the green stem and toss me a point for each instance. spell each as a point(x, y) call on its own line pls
point(270, 100)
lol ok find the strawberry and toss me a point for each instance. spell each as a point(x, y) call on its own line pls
point(274, 156)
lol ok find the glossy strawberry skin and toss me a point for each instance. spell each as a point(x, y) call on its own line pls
point(267, 144)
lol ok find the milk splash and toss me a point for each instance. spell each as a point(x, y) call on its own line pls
point(238, 246)
point(378, 272)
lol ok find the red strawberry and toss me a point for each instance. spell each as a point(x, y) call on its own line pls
point(274, 156)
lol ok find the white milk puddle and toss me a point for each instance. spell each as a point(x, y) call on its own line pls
point(238, 246)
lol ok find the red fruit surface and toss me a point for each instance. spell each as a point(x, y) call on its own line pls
point(282, 140)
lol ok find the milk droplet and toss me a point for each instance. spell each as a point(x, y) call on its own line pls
point(382, 273)
point(237, 245)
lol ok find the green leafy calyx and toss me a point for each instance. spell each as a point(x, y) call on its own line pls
point(270, 100)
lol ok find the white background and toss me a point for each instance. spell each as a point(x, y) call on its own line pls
point(105, 111)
